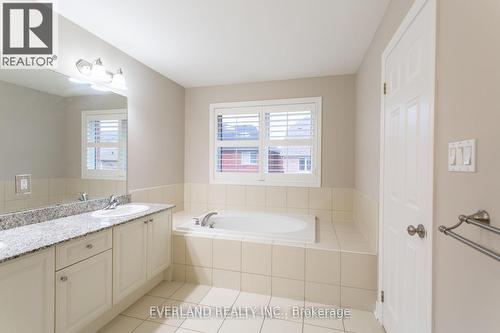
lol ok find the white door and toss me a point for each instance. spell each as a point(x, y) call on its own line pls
point(27, 294)
point(406, 172)
point(83, 292)
point(159, 243)
point(129, 258)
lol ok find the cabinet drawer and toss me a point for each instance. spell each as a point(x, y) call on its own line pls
point(82, 248)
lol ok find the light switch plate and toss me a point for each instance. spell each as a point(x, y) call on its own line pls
point(23, 184)
point(462, 156)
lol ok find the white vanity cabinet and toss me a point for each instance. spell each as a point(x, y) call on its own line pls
point(83, 292)
point(159, 245)
point(27, 293)
point(129, 257)
point(141, 249)
point(68, 287)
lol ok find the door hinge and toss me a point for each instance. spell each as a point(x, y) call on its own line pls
point(385, 88)
point(382, 296)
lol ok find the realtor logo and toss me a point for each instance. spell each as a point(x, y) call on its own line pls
point(28, 35)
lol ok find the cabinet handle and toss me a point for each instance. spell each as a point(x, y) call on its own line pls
point(151, 220)
point(89, 246)
point(146, 221)
point(64, 278)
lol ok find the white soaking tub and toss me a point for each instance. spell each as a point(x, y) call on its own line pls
point(286, 227)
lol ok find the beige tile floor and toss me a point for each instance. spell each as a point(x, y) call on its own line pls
point(136, 318)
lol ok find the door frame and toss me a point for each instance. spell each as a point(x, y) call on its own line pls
point(415, 9)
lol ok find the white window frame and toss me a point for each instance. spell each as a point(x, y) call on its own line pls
point(120, 114)
point(261, 177)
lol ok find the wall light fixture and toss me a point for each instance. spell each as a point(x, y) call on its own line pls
point(97, 73)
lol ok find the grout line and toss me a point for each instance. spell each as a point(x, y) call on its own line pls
point(241, 264)
point(272, 264)
point(305, 265)
point(340, 280)
point(328, 328)
point(304, 300)
point(225, 318)
point(212, 266)
point(262, 324)
point(143, 320)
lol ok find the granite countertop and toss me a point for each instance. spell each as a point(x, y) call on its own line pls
point(27, 239)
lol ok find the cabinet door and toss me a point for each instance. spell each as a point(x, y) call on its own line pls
point(27, 294)
point(83, 292)
point(129, 258)
point(159, 243)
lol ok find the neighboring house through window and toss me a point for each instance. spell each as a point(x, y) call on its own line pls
point(274, 142)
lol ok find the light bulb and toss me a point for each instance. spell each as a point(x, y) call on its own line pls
point(84, 67)
point(119, 80)
point(99, 72)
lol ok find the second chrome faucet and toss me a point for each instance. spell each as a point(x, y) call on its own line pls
point(205, 220)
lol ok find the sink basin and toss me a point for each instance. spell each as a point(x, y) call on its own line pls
point(121, 211)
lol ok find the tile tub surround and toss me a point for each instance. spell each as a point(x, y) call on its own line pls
point(346, 207)
point(325, 202)
point(322, 272)
point(34, 237)
point(165, 194)
point(137, 318)
point(365, 216)
point(27, 217)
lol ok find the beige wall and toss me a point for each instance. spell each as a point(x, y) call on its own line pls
point(155, 108)
point(35, 144)
point(337, 126)
point(466, 288)
point(466, 283)
point(367, 120)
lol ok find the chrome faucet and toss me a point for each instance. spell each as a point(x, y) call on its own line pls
point(205, 219)
point(84, 197)
point(112, 203)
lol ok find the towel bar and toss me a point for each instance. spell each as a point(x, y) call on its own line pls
point(480, 219)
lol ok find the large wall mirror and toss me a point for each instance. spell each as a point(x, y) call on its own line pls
point(60, 140)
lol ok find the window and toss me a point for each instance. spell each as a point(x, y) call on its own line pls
point(249, 157)
point(104, 144)
point(305, 164)
point(276, 142)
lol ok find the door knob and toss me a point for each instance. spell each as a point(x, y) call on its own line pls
point(419, 230)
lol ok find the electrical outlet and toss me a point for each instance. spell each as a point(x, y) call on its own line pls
point(23, 184)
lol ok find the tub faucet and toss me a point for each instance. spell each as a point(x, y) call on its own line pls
point(205, 219)
point(112, 203)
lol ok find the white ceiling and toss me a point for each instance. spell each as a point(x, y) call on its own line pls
point(212, 42)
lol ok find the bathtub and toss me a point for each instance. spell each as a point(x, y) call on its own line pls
point(285, 227)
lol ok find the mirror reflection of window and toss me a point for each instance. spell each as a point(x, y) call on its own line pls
point(69, 138)
point(104, 145)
